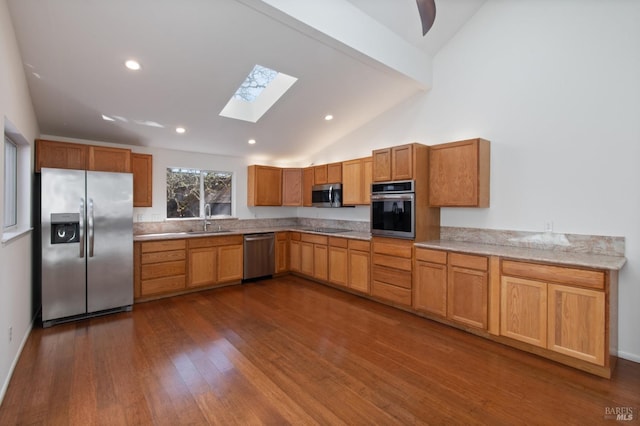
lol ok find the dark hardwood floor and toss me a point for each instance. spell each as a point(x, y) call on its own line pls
point(289, 351)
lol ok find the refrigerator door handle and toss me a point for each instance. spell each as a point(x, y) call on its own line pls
point(90, 226)
point(81, 227)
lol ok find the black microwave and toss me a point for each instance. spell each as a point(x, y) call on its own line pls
point(329, 195)
point(393, 209)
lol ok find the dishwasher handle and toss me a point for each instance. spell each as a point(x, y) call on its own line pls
point(258, 237)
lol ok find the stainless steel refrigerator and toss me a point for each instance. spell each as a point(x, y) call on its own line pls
point(86, 226)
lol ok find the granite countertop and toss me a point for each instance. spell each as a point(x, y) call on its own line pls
point(213, 233)
point(588, 260)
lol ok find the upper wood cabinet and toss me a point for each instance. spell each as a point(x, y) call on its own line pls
point(327, 173)
point(106, 159)
point(142, 167)
point(396, 163)
point(459, 174)
point(264, 186)
point(60, 155)
point(356, 181)
point(307, 186)
point(291, 187)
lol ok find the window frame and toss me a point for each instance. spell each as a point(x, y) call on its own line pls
point(10, 186)
point(201, 202)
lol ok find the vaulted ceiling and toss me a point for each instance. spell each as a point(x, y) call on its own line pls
point(353, 59)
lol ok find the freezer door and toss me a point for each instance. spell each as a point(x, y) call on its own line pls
point(109, 240)
point(63, 264)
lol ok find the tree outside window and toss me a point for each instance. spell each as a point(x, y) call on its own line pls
point(190, 190)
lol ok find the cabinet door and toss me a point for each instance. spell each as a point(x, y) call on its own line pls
point(459, 174)
point(141, 167)
point(294, 256)
point(430, 288)
point(105, 159)
point(60, 155)
point(402, 162)
point(202, 266)
point(467, 296)
point(367, 177)
point(230, 263)
point(523, 310)
point(359, 268)
point(320, 262)
point(282, 252)
point(352, 182)
point(334, 173)
point(307, 186)
point(320, 174)
point(381, 165)
point(264, 186)
point(577, 323)
point(292, 187)
point(338, 270)
point(306, 258)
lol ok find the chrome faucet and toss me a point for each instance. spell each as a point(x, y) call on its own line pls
point(207, 207)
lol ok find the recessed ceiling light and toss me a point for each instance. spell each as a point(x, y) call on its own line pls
point(328, 117)
point(252, 141)
point(180, 130)
point(132, 65)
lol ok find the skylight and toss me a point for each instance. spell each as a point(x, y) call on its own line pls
point(262, 88)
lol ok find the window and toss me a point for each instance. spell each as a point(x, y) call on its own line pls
point(10, 184)
point(190, 190)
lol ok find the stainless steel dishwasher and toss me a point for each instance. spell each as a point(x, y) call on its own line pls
point(259, 255)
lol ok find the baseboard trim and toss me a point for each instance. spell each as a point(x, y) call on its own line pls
point(629, 356)
point(5, 385)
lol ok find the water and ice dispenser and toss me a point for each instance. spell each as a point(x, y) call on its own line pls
point(65, 228)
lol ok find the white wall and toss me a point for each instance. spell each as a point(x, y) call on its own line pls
point(15, 256)
point(554, 86)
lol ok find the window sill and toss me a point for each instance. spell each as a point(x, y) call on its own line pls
point(8, 237)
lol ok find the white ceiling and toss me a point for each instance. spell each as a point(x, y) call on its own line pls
point(195, 53)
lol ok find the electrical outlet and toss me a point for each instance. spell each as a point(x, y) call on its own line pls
point(10, 334)
point(548, 226)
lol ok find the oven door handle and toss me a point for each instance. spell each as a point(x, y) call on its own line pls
point(383, 197)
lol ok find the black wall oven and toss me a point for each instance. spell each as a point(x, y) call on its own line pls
point(393, 209)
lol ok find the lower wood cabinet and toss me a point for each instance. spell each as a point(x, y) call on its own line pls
point(558, 308)
point(282, 252)
point(160, 267)
point(295, 264)
point(468, 289)
point(349, 263)
point(214, 260)
point(391, 276)
point(430, 282)
point(314, 256)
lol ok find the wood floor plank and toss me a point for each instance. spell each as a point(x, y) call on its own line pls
point(289, 351)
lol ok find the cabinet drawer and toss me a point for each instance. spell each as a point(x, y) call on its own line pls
point(392, 293)
point(281, 236)
point(392, 277)
point(393, 248)
point(338, 242)
point(215, 241)
point(433, 256)
point(163, 256)
point(480, 263)
point(294, 236)
point(557, 274)
point(164, 245)
point(359, 245)
point(316, 239)
point(162, 285)
point(392, 262)
point(157, 270)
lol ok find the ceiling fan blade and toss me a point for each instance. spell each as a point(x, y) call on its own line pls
point(427, 9)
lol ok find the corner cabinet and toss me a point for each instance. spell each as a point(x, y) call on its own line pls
point(459, 174)
point(264, 186)
point(291, 187)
